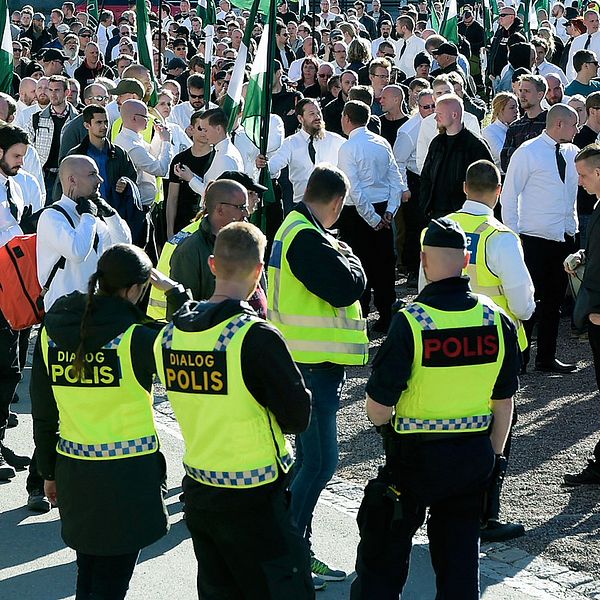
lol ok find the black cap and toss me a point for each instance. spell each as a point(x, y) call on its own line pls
point(244, 180)
point(422, 58)
point(176, 63)
point(445, 233)
point(54, 54)
point(570, 13)
point(446, 48)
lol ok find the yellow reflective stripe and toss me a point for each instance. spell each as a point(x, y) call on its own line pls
point(490, 290)
point(155, 302)
point(482, 228)
point(277, 270)
point(316, 322)
point(332, 347)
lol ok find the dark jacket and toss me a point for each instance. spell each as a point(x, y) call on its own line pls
point(383, 16)
point(445, 169)
point(37, 43)
point(370, 25)
point(284, 105)
point(107, 507)
point(498, 54)
point(591, 275)
point(288, 52)
point(332, 114)
point(585, 201)
point(85, 75)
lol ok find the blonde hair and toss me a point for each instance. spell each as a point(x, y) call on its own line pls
point(499, 103)
point(239, 248)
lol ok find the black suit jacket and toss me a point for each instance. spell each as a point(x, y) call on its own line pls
point(591, 276)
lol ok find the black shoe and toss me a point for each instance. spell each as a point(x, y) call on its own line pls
point(494, 531)
point(37, 502)
point(13, 420)
point(14, 460)
point(556, 366)
point(6, 471)
point(589, 476)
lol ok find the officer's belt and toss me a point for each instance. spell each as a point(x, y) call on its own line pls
point(403, 424)
point(125, 448)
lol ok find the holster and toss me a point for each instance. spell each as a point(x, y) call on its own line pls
point(491, 501)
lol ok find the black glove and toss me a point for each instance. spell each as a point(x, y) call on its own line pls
point(104, 208)
point(86, 206)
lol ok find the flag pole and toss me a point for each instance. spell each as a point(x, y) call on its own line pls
point(264, 134)
point(160, 51)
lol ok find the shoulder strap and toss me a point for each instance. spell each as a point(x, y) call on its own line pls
point(35, 120)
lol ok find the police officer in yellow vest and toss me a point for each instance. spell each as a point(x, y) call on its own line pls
point(91, 381)
point(496, 269)
point(315, 283)
point(235, 391)
point(444, 380)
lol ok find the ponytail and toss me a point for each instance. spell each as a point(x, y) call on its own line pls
point(79, 362)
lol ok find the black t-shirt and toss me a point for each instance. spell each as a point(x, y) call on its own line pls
point(188, 201)
point(389, 129)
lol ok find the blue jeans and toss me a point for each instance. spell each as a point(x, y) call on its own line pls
point(316, 448)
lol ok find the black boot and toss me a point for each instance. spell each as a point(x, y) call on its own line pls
point(6, 471)
point(14, 460)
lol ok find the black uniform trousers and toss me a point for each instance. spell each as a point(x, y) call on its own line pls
point(414, 222)
point(248, 552)
point(13, 355)
point(446, 473)
point(376, 252)
point(104, 577)
point(544, 259)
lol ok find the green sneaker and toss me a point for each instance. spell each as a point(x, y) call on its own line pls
point(319, 568)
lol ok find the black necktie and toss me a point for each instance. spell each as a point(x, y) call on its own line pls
point(537, 70)
point(14, 211)
point(561, 163)
point(587, 42)
point(311, 150)
point(403, 49)
point(233, 134)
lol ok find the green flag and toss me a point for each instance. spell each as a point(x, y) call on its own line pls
point(257, 108)
point(434, 21)
point(488, 19)
point(207, 12)
point(144, 41)
point(528, 15)
point(234, 91)
point(6, 51)
point(248, 4)
point(449, 26)
point(92, 9)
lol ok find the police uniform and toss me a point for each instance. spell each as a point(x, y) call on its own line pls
point(446, 355)
point(235, 390)
point(105, 457)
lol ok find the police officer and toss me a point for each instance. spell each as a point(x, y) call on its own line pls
point(315, 283)
point(235, 391)
point(92, 382)
point(496, 269)
point(444, 380)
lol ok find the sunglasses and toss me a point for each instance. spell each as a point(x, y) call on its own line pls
point(506, 15)
point(427, 106)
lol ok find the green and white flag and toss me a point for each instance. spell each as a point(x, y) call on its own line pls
point(434, 22)
point(92, 9)
point(234, 91)
point(249, 4)
point(207, 12)
point(304, 8)
point(144, 42)
point(449, 26)
point(6, 51)
point(528, 15)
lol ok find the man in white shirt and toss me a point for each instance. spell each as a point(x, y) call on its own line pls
point(405, 153)
point(340, 53)
point(366, 220)
point(429, 130)
point(309, 46)
point(539, 203)
point(312, 145)
point(182, 112)
point(408, 45)
point(42, 100)
point(558, 20)
point(148, 165)
point(227, 157)
point(588, 41)
point(541, 66)
point(386, 32)
point(26, 94)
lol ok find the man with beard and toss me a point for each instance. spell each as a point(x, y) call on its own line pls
point(386, 32)
point(312, 145)
point(448, 158)
point(71, 51)
point(182, 112)
point(37, 33)
point(333, 111)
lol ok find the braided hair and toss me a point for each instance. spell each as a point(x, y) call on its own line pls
point(119, 268)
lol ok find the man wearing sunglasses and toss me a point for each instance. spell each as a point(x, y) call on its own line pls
point(585, 63)
point(508, 23)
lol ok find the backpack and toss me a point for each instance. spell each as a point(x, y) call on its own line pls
point(21, 296)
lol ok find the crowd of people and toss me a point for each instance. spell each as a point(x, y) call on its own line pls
point(395, 154)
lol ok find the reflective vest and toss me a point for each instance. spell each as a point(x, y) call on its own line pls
point(314, 330)
point(231, 440)
point(457, 358)
point(147, 135)
point(105, 413)
point(157, 304)
point(479, 229)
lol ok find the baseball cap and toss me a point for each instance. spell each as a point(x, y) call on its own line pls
point(128, 86)
point(63, 28)
point(446, 48)
point(445, 233)
point(176, 63)
point(422, 58)
point(38, 16)
point(54, 54)
point(244, 180)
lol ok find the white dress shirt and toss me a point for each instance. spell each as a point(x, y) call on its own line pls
point(414, 45)
point(375, 44)
point(32, 164)
point(579, 44)
point(429, 130)
point(113, 112)
point(547, 68)
point(227, 158)
point(23, 118)
point(71, 65)
point(294, 154)
point(30, 187)
point(495, 135)
point(534, 199)
point(57, 238)
point(405, 146)
point(9, 226)
point(149, 164)
point(559, 25)
point(182, 114)
point(368, 161)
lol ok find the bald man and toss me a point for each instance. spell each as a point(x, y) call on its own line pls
point(393, 117)
point(148, 164)
point(26, 93)
point(539, 203)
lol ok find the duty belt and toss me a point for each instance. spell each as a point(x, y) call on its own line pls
point(459, 424)
point(148, 443)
